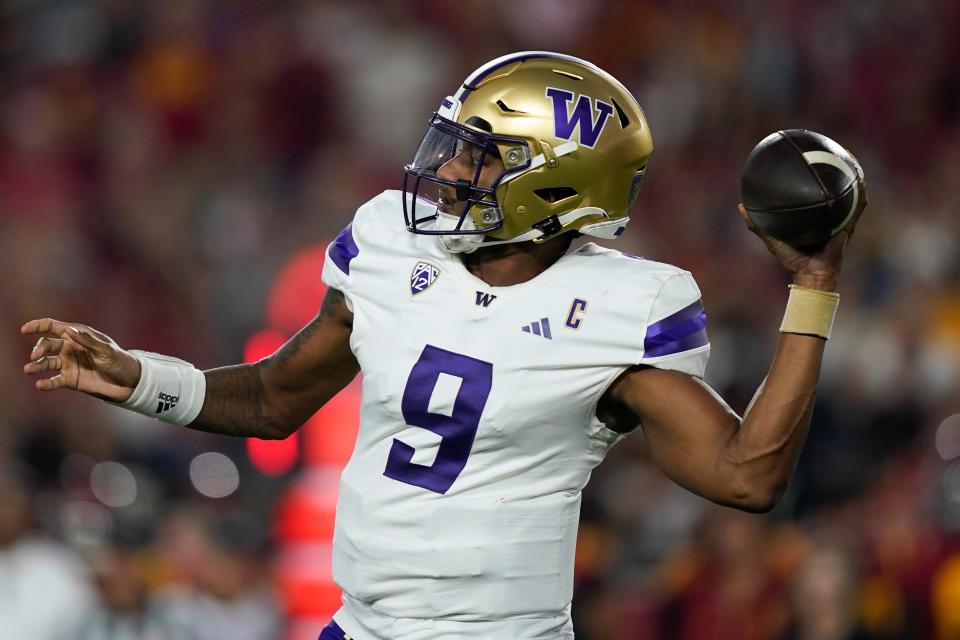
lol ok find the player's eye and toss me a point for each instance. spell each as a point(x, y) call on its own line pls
point(488, 156)
point(467, 152)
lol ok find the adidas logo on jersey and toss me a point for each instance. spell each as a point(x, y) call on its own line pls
point(539, 328)
point(166, 402)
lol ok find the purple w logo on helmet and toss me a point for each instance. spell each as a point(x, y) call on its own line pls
point(566, 121)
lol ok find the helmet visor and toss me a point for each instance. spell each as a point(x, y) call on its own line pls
point(465, 185)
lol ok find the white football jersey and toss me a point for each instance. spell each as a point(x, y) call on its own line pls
point(458, 510)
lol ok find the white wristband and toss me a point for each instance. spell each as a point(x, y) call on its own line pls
point(169, 389)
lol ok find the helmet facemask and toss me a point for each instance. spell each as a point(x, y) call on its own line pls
point(423, 203)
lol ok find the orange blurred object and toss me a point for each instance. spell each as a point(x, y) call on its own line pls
point(297, 291)
point(270, 457)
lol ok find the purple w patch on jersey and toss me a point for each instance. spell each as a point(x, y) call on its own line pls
point(484, 299)
point(684, 330)
point(424, 274)
point(566, 121)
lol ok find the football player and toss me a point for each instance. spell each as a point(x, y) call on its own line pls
point(499, 365)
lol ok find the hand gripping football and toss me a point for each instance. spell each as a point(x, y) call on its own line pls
point(800, 187)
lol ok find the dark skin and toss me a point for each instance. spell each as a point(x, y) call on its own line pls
point(693, 435)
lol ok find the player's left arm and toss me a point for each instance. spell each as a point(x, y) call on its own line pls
point(698, 440)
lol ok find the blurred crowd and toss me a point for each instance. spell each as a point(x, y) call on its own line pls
point(160, 161)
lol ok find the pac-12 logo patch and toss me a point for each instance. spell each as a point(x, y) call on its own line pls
point(587, 118)
point(424, 274)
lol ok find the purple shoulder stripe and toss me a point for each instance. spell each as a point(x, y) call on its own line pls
point(332, 632)
point(684, 330)
point(344, 249)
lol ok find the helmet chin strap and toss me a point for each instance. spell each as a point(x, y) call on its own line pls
point(456, 243)
point(468, 243)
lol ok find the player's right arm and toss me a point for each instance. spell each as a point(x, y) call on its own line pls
point(266, 399)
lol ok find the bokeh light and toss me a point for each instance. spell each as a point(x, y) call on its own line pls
point(947, 438)
point(113, 484)
point(85, 523)
point(214, 475)
point(951, 483)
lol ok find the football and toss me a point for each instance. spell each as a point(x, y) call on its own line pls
point(800, 187)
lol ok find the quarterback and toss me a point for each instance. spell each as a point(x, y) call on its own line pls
point(499, 364)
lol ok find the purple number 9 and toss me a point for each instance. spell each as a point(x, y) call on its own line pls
point(456, 431)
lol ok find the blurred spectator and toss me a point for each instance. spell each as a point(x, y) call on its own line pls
point(223, 590)
point(43, 588)
point(126, 608)
point(723, 586)
point(824, 598)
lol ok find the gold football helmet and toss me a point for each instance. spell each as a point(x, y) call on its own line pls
point(573, 142)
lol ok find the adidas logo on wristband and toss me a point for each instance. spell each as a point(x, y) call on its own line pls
point(159, 372)
point(166, 402)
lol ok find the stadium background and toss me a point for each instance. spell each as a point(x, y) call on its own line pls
point(170, 172)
